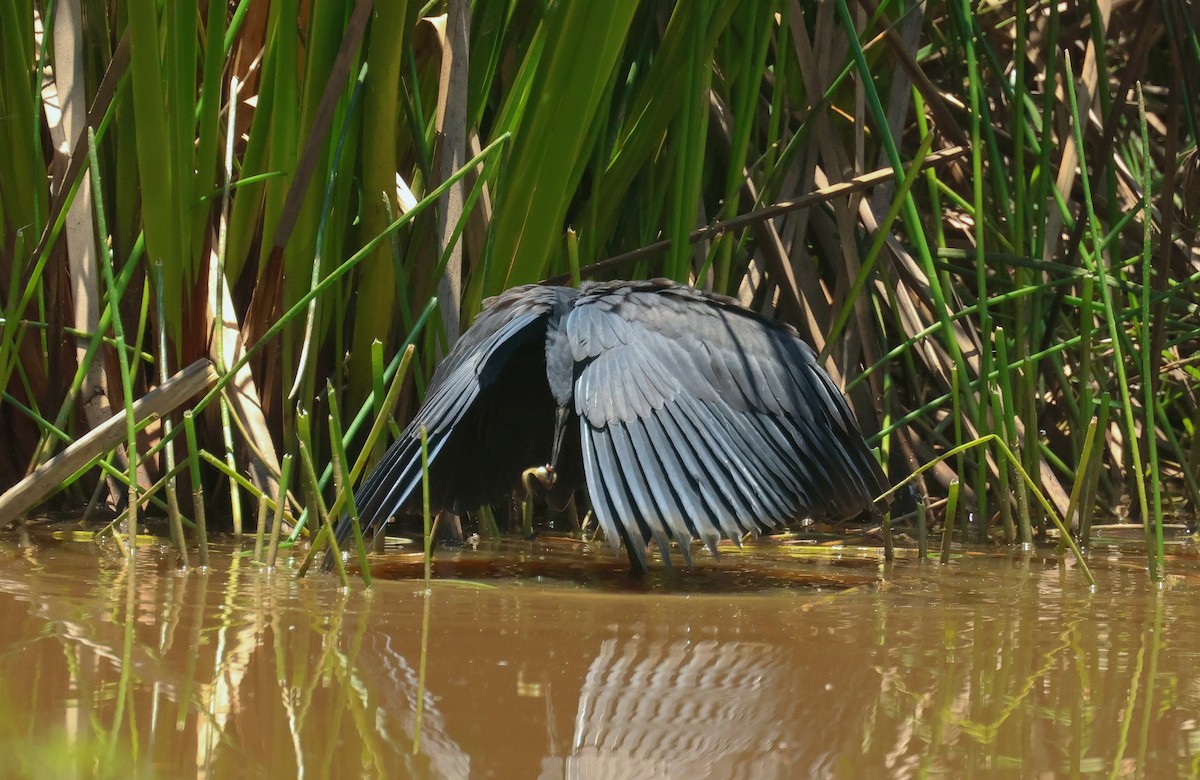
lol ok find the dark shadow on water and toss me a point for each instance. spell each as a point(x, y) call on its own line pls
point(561, 562)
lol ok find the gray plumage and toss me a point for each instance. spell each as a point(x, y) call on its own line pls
point(689, 417)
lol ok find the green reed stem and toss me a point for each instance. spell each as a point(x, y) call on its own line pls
point(948, 525)
point(882, 232)
point(189, 424)
point(965, 17)
point(174, 519)
point(378, 391)
point(1008, 419)
point(384, 414)
point(399, 364)
point(1083, 473)
point(1004, 451)
point(235, 500)
point(922, 529)
point(381, 421)
point(1091, 477)
point(127, 380)
point(957, 413)
point(1153, 522)
point(285, 476)
point(324, 534)
point(342, 488)
point(1006, 518)
point(425, 509)
point(260, 530)
point(1112, 317)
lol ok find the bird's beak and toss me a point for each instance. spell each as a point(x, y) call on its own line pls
point(560, 429)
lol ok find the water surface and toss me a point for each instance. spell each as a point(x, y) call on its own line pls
point(551, 661)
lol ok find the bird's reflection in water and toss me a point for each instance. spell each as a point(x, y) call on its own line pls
point(692, 709)
point(643, 699)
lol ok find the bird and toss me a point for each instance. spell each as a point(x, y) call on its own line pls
point(685, 415)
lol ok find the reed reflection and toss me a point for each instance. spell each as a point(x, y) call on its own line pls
point(1004, 666)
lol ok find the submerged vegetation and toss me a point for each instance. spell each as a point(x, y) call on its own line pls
point(984, 217)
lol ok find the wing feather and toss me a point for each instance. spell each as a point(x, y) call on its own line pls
point(750, 434)
point(667, 463)
point(507, 322)
point(701, 419)
point(602, 505)
point(712, 444)
point(639, 486)
point(618, 510)
point(661, 480)
point(728, 503)
point(714, 492)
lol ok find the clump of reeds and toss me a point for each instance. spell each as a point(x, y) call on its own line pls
point(984, 219)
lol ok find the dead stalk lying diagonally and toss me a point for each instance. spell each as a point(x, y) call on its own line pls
point(172, 394)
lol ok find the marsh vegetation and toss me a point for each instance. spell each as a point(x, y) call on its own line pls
point(223, 224)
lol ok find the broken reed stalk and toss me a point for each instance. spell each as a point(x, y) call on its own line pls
point(46, 480)
point(715, 230)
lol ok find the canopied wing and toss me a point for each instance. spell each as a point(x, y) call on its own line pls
point(508, 324)
point(700, 419)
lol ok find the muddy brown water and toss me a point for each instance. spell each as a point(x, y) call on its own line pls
point(549, 661)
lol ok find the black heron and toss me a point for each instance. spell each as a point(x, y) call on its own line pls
point(685, 415)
